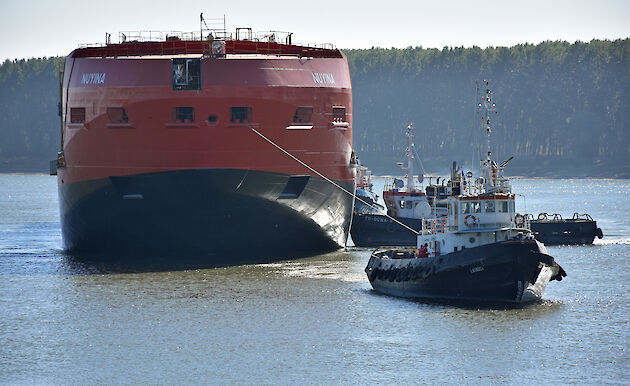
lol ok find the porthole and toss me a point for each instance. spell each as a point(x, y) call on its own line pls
point(471, 240)
point(212, 119)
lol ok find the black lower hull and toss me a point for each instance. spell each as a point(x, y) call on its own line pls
point(374, 230)
point(565, 232)
point(504, 272)
point(224, 216)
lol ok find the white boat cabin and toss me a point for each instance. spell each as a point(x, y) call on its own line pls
point(407, 204)
point(472, 221)
point(480, 211)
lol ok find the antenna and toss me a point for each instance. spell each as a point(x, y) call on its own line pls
point(486, 107)
point(410, 182)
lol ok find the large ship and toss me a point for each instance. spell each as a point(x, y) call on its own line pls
point(230, 146)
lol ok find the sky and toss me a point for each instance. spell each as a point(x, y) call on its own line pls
point(37, 28)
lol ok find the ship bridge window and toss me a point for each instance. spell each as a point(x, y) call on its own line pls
point(489, 207)
point(476, 208)
point(183, 114)
point(339, 114)
point(405, 204)
point(117, 115)
point(503, 206)
point(303, 114)
point(465, 207)
point(77, 114)
point(186, 74)
point(241, 114)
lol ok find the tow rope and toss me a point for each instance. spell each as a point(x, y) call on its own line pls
point(353, 195)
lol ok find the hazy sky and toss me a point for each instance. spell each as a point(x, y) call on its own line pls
point(35, 28)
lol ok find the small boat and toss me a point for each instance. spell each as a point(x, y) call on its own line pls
point(367, 200)
point(554, 230)
point(477, 252)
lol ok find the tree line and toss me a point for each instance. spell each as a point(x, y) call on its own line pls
point(563, 108)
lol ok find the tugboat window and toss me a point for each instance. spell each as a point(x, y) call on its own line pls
point(117, 115)
point(489, 206)
point(476, 207)
point(186, 74)
point(241, 115)
point(503, 207)
point(303, 114)
point(77, 114)
point(183, 114)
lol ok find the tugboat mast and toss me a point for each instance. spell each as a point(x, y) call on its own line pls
point(410, 183)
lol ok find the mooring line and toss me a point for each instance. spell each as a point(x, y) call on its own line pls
point(330, 181)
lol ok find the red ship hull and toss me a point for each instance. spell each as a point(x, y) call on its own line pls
point(150, 167)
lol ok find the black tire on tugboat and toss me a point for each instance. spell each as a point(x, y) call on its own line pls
point(391, 274)
point(417, 273)
point(373, 274)
point(398, 275)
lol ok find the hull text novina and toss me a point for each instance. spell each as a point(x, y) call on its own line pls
point(179, 146)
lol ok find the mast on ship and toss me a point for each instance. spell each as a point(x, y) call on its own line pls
point(409, 151)
point(491, 172)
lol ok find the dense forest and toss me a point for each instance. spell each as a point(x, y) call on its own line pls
point(563, 109)
point(29, 123)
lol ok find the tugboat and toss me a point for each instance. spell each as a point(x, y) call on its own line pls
point(478, 253)
point(367, 200)
point(554, 230)
point(407, 204)
point(405, 210)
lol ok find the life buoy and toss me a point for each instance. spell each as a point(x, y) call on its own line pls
point(470, 220)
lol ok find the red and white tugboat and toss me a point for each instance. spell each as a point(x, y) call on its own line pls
point(183, 144)
point(479, 254)
point(406, 206)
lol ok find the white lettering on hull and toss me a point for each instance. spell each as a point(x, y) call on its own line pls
point(94, 78)
point(323, 78)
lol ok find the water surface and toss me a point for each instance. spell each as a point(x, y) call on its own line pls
point(314, 320)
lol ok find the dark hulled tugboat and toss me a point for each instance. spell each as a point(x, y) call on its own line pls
point(407, 204)
point(477, 254)
point(405, 210)
point(367, 200)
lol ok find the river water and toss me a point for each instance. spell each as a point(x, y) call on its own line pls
point(307, 321)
